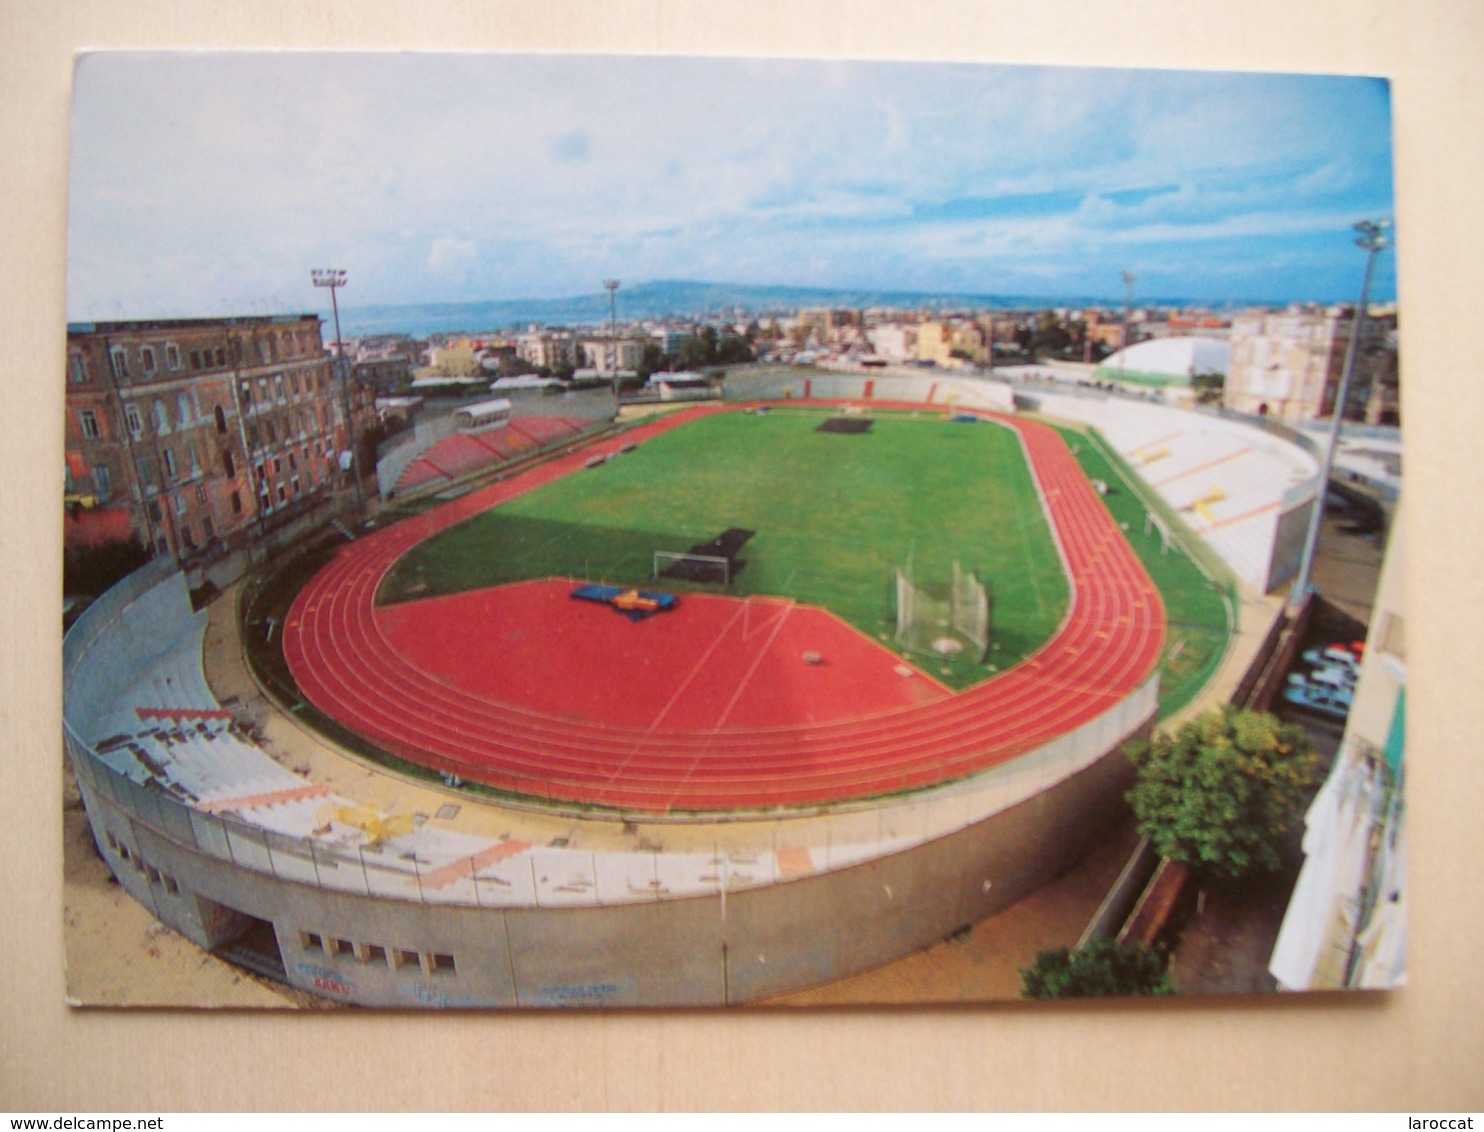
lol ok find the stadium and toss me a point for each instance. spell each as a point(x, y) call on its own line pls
point(696, 709)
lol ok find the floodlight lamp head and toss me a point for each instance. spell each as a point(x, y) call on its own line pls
point(328, 276)
point(1374, 234)
point(610, 284)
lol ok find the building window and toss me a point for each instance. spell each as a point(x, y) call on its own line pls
point(201, 494)
point(440, 963)
point(102, 482)
point(236, 503)
point(119, 361)
point(168, 882)
point(187, 536)
point(180, 504)
point(162, 419)
point(87, 420)
point(168, 458)
point(172, 355)
point(311, 941)
point(272, 433)
point(131, 418)
point(162, 545)
point(246, 390)
point(77, 368)
point(221, 356)
point(194, 455)
point(283, 495)
point(221, 421)
point(183, 410)
point(147, 360)
point(401, 958)
point(229, 466)
point(155, 514)
point(278, 387)
point(195, 359)
point(147, 478)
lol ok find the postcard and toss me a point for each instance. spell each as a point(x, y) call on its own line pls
point(561, 531)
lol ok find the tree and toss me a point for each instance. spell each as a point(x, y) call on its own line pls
point(1050, 336)
point(732, 350)
point(1220, 793)
point(1102, 969)
point(652, 360)
point(699, 350)
point(1208, 386)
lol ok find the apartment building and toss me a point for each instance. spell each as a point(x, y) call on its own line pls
point(552, 349)
point(1288, 364)
point(198, 436)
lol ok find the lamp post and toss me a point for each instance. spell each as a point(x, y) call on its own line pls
point(1128, 278)
point(1375, 240)
point(611, 286)
point(334, 279)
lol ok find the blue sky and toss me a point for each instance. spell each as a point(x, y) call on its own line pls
point(206, 184)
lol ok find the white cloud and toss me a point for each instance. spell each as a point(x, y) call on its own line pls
point(488, 176)
point(449, 256)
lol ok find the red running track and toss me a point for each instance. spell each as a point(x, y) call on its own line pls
point(1108, 644)
point(717, 663)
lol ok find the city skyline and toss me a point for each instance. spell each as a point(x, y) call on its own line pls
point(209, 183)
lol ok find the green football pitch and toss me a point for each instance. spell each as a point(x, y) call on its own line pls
point(834, 516)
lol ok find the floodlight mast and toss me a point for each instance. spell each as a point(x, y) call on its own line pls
point(1128, 278)
point(611, 286)
point(1374, 238)
point(334, 279)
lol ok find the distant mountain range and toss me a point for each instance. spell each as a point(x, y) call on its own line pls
point(666, 299)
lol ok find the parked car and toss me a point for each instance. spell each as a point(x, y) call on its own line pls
point(1335, 676)
point(1326, 700)
point(1333, 656)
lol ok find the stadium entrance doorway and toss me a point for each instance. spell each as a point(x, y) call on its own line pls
point(257, 950)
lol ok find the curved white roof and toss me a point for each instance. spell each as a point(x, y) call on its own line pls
point(1177, 357)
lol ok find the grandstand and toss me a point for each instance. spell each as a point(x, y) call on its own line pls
point(1243, 490)
point(465, 455)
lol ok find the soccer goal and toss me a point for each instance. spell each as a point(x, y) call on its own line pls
point(943, 620)
point(706, 568)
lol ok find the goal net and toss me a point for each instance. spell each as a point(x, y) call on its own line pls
point(708, 569)
point(943, 619)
